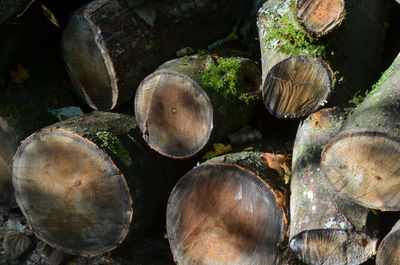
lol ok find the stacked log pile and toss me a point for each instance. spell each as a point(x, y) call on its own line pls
point(141, 185)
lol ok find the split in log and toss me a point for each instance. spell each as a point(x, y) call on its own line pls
point(298, 62)
point(325, 228)
point(110, 47)
point(363, 161)
point(9, 145)
point(71, 182)
point(389, 251)
point(231, 210)
point(190, 102)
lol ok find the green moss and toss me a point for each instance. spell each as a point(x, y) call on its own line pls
point(112, 143)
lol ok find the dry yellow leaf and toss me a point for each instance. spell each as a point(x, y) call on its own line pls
point(20, 75)
point(50, 16)
point(219, 149)
point(280, 163)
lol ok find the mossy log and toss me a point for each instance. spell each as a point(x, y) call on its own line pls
point(304, 42)
point(110, 47)
point(230, 210)
point(11, 8)
point(78, 183)
point(324, 228)
point(9, 145)
point(389, 251)
point(189, 102)
point(363, 161)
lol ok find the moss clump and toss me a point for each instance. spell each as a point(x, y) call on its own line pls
point(112, 143)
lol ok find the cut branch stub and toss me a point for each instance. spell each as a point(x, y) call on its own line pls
point(325, 228)
point(71, 193)
point(363, 161)
point(222, 213)
point(389, 251)
point(179, 112)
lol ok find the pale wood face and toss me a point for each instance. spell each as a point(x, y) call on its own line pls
point(71, 193)
point(174, 114)
point(320, 16)
point(365, 167)
point(223, 214)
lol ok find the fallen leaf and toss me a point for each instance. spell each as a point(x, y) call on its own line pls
point(280, 163)
point(50, 16)
point(219, 149)
point(19, 76)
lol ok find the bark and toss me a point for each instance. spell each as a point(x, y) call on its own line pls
point(362, 161)
point(123, 48)
point(80, 181)
point(325, 228)
point(10, 8)
point(179, 114)
point(230, 210)
point(388, 251)
point(304, 42)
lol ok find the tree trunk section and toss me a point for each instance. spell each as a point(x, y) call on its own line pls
point(80, 181)
point(303, 42)
point(179, 113)
point(229, 210)
point(389, 251)
point(325, 228)
point(108, 48)
point(362, 161)
point(10, 8)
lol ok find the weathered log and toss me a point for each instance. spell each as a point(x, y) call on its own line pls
point(190, 102)
point(10, 8)
point(76, 181)
point(230, 210)
point(109, 48)
point(298, 62)
point(362, 161)
point(324, 228)
point(9, 145)
point(389, 251)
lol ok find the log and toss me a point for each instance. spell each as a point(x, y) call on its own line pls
point(230, 210)
point(388, 251)
point(109, 48)
point(9, 145)
point(362, 161)
point(325, 228)
point(80, 181)
point(11, 8)
point(189, 102)
point(304, 42)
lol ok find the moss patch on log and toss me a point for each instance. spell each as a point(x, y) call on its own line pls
point(112, 143)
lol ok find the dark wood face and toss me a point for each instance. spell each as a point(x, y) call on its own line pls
point(174, 114)
point(320, 16)
point(223, 214)
point(71, 193)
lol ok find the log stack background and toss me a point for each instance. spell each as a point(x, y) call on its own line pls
point(42, 67)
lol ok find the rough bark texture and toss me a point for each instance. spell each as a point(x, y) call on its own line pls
point(179, 113)
point(229, 210)
point(123, 48)
point(297, 75)
point(10, 8)
point(362, 161)
point(389, 251)
point(325, 228)
point(79, 181)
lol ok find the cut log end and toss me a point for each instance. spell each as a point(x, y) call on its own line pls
point(88, 63)
point(174, 113)
point(365, 167)
point(333, 247)
point(71, 193)
point(320, 16)
point(297, 86)
point(223, 214)
point(389, 251)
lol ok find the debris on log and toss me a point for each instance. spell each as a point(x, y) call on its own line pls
point(363, 161)
point(110, 47)
point(189, 102)
point(389, 251)
point(324, 228)
point(78, 182)
point(230, 210)
point(303, 42)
